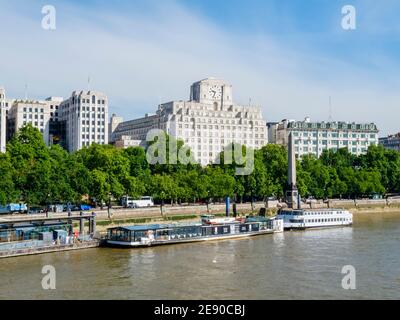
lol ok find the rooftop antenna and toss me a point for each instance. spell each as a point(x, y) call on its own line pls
point(330, 109)
point(26, 92)
point(88, 83)
point(249, 102)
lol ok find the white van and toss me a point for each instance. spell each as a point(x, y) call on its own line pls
point(129, 202)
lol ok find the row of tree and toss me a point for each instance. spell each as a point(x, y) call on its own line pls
point(36, 174)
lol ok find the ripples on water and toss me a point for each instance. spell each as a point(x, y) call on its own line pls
point(293, 265)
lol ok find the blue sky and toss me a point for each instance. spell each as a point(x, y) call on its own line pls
point(288, 56)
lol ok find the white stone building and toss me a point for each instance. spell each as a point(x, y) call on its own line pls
point(315, 137)
point(124, 142)
point(207, 123)
point(85, 114)
point(136, 128)
point(23, 112)
point(3, 120)
point(391, 142)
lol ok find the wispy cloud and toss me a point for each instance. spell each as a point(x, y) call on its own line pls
point(143, 54)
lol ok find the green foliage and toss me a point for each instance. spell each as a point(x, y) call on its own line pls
point(36, 174)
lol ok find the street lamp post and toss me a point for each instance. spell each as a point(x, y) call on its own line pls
point(109, 205)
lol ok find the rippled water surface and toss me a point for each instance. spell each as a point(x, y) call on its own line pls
point(293, 265)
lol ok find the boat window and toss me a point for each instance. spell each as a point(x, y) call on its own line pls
point(119, 235)
point(138, 235)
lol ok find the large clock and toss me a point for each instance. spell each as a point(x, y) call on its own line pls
point(215, 92)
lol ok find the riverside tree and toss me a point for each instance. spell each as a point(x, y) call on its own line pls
point(39, 175)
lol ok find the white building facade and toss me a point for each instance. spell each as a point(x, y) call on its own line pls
point(391, 142)
point(3, 120)
point(85, 115)
point(207, 123)
point(315, 137)
point(23, 112)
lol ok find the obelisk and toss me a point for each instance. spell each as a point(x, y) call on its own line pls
point(291, 192)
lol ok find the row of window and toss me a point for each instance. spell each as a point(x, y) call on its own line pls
point(87, 122)
point(334, 135)
point(93, 115)
point(334, 142)
point(30, 116)
point(314, 149)
point(187, 126)
point(36, 124)
point(343, 126)
point(87, 129)
point(93, 109)
point(102, 101)
point(223, 142)
point(306, 213)
point(35, 109)
point(221, 134)
point(327, 220)
point(222, 121)
point(99, 137)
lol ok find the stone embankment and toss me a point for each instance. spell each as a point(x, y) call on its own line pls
point(173, 212)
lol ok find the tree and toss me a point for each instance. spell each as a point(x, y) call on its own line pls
point(162, 188)
point(31, 161)
point(108, 166)
point(8, 193)
point(274, 158)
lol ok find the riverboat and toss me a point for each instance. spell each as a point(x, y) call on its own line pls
point(210, 228)
point(314, 218)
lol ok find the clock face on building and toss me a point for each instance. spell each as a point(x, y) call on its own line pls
point(215, 92)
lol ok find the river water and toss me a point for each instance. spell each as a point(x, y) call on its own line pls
point(293, 265)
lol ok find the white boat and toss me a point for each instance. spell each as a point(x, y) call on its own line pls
point(314, 218)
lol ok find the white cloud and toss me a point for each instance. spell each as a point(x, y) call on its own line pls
point(140, 58)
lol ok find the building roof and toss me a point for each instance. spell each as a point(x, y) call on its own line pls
point(146, 227)
point(331, 125)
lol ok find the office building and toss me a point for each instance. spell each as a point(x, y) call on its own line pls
point(315, 137)
point(23, 112)
point(391, 142)
point(207, 122)
point(85, 115)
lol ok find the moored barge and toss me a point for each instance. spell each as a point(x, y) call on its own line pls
point(209, 229)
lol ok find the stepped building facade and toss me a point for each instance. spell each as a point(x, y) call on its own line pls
point(207, 122)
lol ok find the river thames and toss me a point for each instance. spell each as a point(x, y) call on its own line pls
point(293, 265)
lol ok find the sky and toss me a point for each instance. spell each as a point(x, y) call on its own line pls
point(287, 56)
